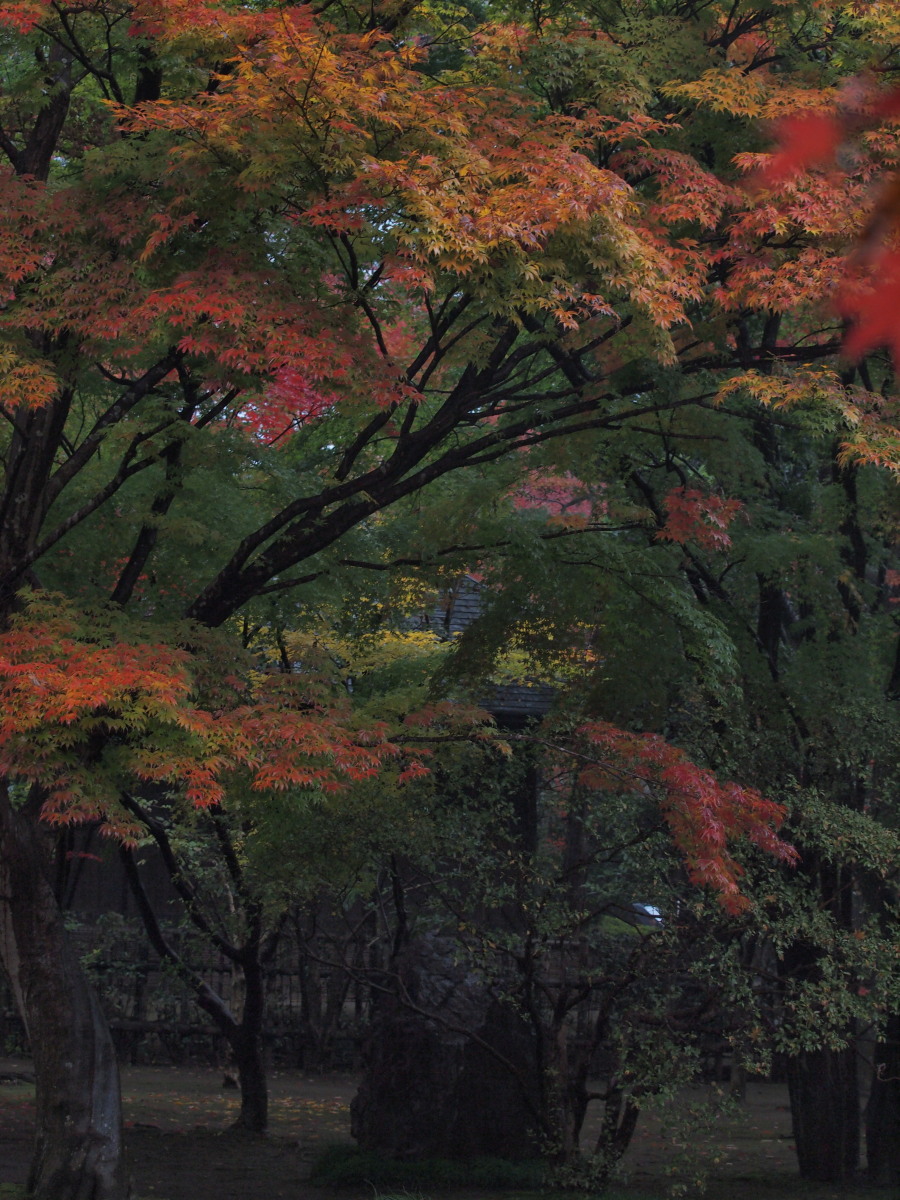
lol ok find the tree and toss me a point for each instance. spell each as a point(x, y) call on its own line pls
point(235, 866)
point(271, 273)
point(237, 926)
point(516, 967)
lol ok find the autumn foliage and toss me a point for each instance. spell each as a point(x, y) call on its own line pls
point(693, 517)
point(92, 708)
point(814, 140)
point(309, 238)
point(309, 311)
point(705, 815)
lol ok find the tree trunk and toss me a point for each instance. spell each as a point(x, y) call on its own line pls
point(620, 1118)
point(883, 1110)
point(244, 1036)
point(824, 1094)
point(823, 1084)
point(248, 1057)
point(247, 1046)
point(78, 1146)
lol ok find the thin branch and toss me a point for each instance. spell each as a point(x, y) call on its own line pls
point(137, 390)
point(206, 998)
point(185, 890)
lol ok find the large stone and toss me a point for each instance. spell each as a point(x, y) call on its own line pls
point(435, 1083)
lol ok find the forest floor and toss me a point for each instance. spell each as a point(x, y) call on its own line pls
point(180, 1147)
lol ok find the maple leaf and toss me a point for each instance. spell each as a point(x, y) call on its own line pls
point(563, 497)
point(289, 401)
point(23, 15)
point(67, 678)
point(805, 140)
point(692, 516)
point(25, 382)
point(812, 139)
point(704, 815)
point(871, 302)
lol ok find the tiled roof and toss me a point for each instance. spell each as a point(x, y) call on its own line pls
point(510, 703)
point(459, 606)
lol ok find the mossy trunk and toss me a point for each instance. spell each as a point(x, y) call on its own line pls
point(824, 1095)
point(78, 1134)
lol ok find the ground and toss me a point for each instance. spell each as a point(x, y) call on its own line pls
point(180, 1147)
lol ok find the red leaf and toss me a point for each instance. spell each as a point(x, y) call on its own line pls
point(695, 517)
point(871, 301)
point(704, 815)
point(805, 140)
point(888, 105)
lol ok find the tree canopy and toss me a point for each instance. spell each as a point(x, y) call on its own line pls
point(309, 309)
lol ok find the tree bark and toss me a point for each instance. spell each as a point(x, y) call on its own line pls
point(247, 1046)
point(883, 1110)
point(78, 1146)
point(824, 1094)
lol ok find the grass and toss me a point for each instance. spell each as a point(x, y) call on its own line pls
point(176, 1150)
point(347, 1166)
point(375, 1178)
point(343, 1166)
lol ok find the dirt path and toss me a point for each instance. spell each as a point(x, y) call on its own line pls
point(180, 1147)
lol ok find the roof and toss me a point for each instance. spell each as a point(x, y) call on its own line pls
point(510, 704)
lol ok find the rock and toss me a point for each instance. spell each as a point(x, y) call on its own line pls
point(432, 1089)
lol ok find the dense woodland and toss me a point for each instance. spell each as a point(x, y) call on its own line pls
point(316, 319)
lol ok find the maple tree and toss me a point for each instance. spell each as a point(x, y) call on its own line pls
point(273, 272)
point(768, 658)
point(103, 725)
point(838, 226)
point(779, 607)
